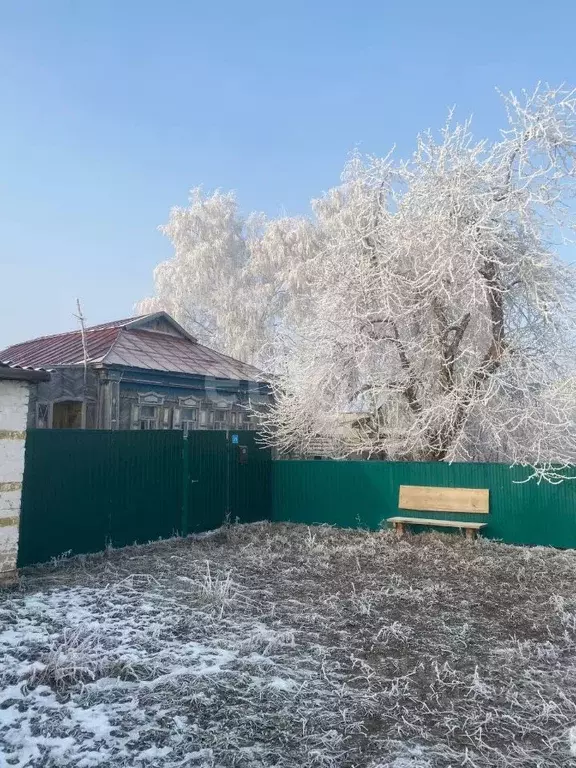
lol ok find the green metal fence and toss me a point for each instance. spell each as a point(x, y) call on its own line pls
point(365, 493)
point(84, 489)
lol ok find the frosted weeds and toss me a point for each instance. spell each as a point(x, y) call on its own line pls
point(275, 645)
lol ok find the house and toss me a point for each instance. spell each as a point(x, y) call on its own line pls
point(144, 372)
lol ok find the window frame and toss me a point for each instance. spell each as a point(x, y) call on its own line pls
point(154, 401)
point(150, 421)
point(223, 422)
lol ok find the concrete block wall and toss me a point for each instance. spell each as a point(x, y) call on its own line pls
point(14, 397)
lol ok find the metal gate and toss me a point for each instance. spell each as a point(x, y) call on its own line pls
point(227, 477)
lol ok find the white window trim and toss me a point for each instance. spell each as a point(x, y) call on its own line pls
point(180, 422)
point(137, 417)
point(150, 398)
point(189, 402)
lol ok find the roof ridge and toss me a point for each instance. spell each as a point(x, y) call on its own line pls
point(121, 330)
point(102, 327)
point(118, 323)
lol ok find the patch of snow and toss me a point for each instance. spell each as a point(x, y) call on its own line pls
point(154, 753)
point(280, 684)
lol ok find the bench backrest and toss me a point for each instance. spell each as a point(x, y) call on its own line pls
point(424, 498)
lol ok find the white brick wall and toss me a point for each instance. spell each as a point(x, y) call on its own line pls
point(14, 396)
point(13, 404)
point(11, 454)
point(9, 503)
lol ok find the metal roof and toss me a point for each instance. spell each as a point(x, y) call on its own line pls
point(128, 343)
point(9, 370)
point(159, 352)
point(118, 323)
point(62, 349)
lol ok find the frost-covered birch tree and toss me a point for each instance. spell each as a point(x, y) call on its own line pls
point(442, 313)
point(233, 281)
point(423, 312)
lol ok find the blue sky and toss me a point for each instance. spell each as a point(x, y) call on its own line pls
point(112, 110)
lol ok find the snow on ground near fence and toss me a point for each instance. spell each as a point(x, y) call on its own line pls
point(287, 646)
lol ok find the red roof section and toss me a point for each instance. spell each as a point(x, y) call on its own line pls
point(135, 347)
point(63, 349)
point(161, 352)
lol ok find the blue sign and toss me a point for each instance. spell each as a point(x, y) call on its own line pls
point(234, 439)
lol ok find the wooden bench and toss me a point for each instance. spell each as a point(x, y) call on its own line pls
point(452, 500)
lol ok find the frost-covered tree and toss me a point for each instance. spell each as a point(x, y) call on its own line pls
point(233, 281)
point(423, 312)
point(442, 316)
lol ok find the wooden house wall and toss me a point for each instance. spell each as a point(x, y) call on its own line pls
point(68, 384)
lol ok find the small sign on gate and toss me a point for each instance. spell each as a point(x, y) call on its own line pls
point(234, 439)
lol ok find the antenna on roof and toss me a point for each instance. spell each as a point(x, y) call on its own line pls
point(80, 318)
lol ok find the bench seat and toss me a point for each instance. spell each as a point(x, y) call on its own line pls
point(470, 528)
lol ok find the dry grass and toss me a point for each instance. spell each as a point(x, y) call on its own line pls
point(277, 645)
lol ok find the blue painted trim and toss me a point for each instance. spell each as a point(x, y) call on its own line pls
point(182, 384)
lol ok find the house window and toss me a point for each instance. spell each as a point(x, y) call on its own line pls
point(186, 418)
point(67, 414)
point(220, 419)
point(148, 417)
point(189, 416)
point(244, 420)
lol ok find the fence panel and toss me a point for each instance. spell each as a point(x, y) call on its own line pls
point(365, 493)
point(145, 487)
point(64, 502)
point(84, 488)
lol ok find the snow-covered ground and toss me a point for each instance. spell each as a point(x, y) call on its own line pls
point(275, 645)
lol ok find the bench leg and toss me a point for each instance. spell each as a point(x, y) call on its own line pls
point(470, 533)
point(399, 528)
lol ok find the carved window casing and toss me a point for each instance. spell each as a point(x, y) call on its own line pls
point(149, 414)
